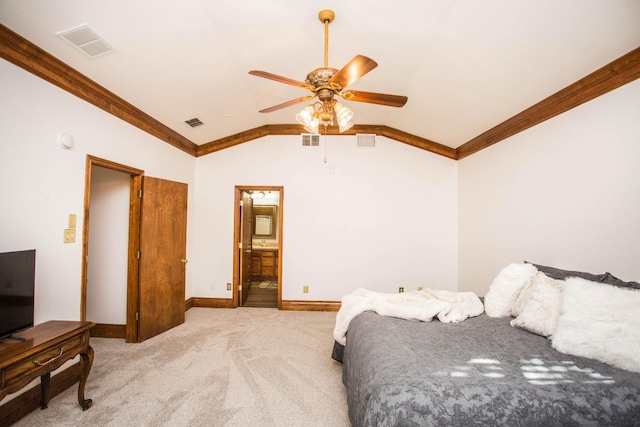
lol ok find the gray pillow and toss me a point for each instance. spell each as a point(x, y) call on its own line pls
point(559, 274)
point(610, 279)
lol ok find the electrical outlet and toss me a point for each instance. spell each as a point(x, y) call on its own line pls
point(419, 288)
point(305, 289)
point(228, 286)
point(69, 235)
point(400, 289)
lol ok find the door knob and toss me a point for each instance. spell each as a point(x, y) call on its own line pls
point(184, 261)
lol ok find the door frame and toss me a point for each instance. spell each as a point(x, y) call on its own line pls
point(237, 238)
point(131, 327)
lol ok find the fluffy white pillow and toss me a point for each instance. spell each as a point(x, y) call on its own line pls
point(600, 322)
point(506, 287)
point(541, 305)
point(524, 296)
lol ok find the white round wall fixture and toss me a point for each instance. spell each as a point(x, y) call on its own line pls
point(66, 141)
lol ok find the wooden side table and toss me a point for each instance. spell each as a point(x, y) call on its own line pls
point(44, 349)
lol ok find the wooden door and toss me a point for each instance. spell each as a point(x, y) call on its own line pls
point(162, 266)
point(246, 235)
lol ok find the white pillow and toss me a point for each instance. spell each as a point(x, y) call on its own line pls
point(506, 287)
point(524, 296)
point(601, 322)
point(541, 306)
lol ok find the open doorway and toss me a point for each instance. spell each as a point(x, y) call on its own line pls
point(151, 281)
point(257, 261)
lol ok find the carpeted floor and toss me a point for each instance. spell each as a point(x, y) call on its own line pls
point(222, 367)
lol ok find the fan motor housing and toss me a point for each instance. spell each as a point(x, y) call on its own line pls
point(321, 76)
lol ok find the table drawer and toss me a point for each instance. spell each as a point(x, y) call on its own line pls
point(53, 355)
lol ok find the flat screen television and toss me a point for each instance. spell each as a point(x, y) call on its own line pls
point(17, 286)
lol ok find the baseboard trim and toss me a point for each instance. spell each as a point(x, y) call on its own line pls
point(209, 302)
point(105, 330)
point(291, 305)
point(17, 408)
point(310, 305)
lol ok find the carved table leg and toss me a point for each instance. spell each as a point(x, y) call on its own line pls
point(45, 381)
point(86, 360)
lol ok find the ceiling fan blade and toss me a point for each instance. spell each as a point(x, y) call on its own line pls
point(356, 68)
point(375, 98)
point(287, 104)
point(280, 79)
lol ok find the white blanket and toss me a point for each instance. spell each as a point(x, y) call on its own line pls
point(424, 305)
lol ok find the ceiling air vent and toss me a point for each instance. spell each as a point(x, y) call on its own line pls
point(87, 40)
point(194, 122)
point(310, 139)
point(366, 139)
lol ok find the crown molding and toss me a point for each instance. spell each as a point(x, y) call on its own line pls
point(21, 52)
point(613, 75)
point(31, 58)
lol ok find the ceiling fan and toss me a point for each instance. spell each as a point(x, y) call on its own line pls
point(326, 83)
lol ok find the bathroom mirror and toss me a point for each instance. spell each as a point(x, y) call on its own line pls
point(264, 221)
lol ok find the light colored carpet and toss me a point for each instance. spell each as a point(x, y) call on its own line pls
point(222, 367)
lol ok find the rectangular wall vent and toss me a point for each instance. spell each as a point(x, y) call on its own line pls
point(86, 40)
point(194, 122)
point(366, 139)
point(310, 139)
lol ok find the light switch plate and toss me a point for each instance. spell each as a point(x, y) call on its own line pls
point(72, 220)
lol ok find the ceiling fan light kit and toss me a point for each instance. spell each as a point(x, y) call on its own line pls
point(326, 83)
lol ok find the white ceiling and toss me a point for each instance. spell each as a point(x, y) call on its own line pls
point(466, 65)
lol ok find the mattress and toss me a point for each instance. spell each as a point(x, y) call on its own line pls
point(481, 371)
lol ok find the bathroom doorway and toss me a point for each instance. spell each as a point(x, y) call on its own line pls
point(257, 262)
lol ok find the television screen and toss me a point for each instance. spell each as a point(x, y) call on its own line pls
point(17, 285)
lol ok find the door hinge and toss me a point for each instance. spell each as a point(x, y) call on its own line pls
point(139, 194)
point(241, 203)
point(240, 288)
point(137, 316)
point(239, 245)
point(138, 254)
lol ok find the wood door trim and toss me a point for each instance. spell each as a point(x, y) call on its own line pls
point(236, 237)
point(134, 241)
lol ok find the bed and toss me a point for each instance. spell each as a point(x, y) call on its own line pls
point(481, 371)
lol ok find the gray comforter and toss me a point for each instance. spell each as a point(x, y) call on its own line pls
point(478, 372)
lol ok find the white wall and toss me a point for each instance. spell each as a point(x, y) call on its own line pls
point(377, 218)
point(41, 184)
point(108, 246)
point(565, 193)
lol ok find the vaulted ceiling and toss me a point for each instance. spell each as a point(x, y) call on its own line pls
point(475, 72)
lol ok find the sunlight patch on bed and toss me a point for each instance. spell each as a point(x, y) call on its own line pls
point(481, 365)
point(539, 372)
point(481, 361)
point(493, 375)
